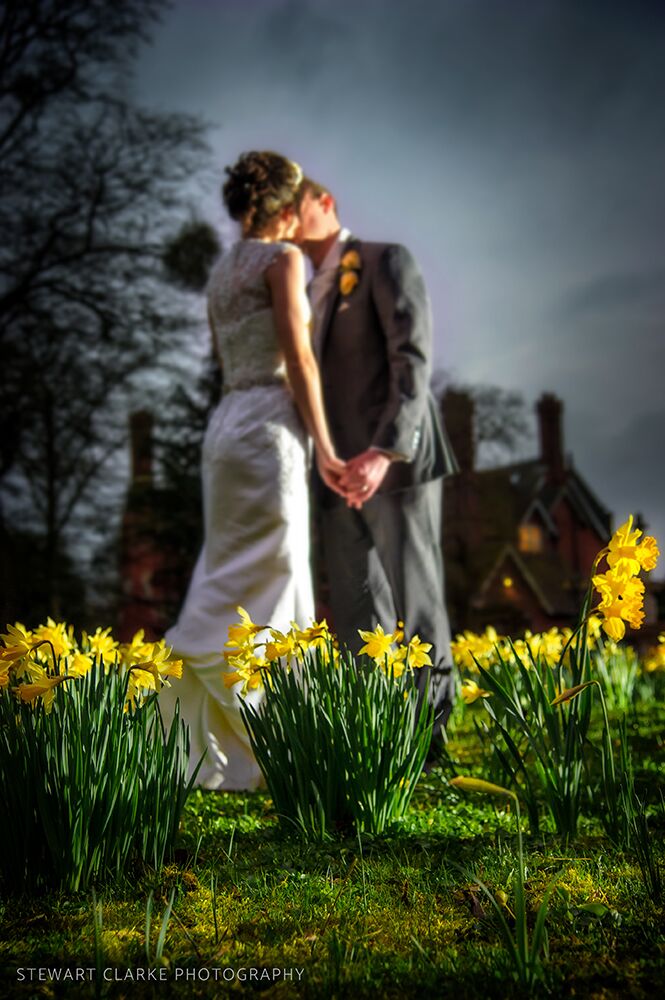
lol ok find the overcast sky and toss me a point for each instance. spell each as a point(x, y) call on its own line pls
point(517, 148)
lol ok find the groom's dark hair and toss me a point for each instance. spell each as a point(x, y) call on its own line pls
point(314, 188)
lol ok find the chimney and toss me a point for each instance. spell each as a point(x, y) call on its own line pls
point(457, 410)
point(549, 408)
point(140, 432)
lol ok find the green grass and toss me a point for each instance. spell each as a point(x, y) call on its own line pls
point(390, 916)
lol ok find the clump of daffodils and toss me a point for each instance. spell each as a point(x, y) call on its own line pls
point(34, 663)
point(471, 650)
point(620, 588)
point(252, 650)
point(621, 600)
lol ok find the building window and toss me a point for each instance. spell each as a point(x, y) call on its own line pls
point(530, 538)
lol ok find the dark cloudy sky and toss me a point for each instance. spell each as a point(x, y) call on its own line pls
point(517, 148)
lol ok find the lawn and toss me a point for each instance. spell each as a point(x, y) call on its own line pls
point(254, 908)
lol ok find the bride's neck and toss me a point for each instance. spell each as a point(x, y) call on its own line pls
point(268, 235)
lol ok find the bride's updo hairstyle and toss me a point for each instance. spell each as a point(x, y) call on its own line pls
point(258, 187)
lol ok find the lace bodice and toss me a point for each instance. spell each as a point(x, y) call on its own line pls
point(241, 314)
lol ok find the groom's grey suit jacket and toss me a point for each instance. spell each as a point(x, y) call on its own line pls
point(374, 351)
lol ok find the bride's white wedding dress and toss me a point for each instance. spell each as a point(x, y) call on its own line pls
point(256, 517)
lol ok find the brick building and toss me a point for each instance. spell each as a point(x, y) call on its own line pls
point(520, 539)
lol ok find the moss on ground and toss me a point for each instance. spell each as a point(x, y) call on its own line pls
point(400, 915)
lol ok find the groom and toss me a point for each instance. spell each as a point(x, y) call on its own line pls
point(372, 335)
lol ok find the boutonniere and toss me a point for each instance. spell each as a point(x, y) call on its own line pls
point(350, 267)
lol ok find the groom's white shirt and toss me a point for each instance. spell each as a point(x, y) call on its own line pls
point(322, 282)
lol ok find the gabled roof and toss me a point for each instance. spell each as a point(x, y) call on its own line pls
point(522, 493)
point(524, 488)
point(545, 575)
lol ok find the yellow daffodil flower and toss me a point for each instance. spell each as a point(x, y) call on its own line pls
point(377, 643)
point(471, 692)
point(136, 650)
point(43, 688)
point(57, 634)
point(627, 555)
point(547, 645)
point(418, 653)
point(317, 636)
point(351, 260)
point(281, 645)
point(102, 644)
point(655, 658)
point(144, 676)
point(347, 282)
point(621, 601)
point(243, 631)
point(394, 661)
point(469, 647)
point(78, 664)
point(521, 648)
point(152, 673)
point(17, 643)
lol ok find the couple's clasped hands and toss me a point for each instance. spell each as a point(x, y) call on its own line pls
point(356, 480)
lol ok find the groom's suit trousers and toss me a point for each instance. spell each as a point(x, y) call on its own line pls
point(384, 566)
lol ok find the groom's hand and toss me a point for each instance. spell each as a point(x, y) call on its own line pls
point(363, 475)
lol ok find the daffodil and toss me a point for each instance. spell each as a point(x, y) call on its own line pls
point(347, 282)
point(351, 260)
point(469, 648)
point(317, 636)
point(78, 664)
point(331, 653)
point(281, 645)
point(394, 662)
point(621, 601)
point(136, 650)
point(247, 668)
point(57, 635)
point(377, 643)
point(418, 653)
point(43, 687)
point(17, 643)
point(144, 677)
point(522, 651)
point(250, 678)
point(102, 644)
point(547, 645)
point(655, 658)
point(243, 631)
point(472, 692)
point(627, 555)
point(157, 667)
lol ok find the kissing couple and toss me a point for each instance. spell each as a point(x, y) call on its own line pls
point(346, 367)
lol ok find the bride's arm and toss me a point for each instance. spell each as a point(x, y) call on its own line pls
point(215, 346)
point(286, 280)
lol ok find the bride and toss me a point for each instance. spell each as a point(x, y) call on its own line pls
point(254, 464)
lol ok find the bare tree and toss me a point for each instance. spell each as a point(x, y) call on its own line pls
point(92, 189)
